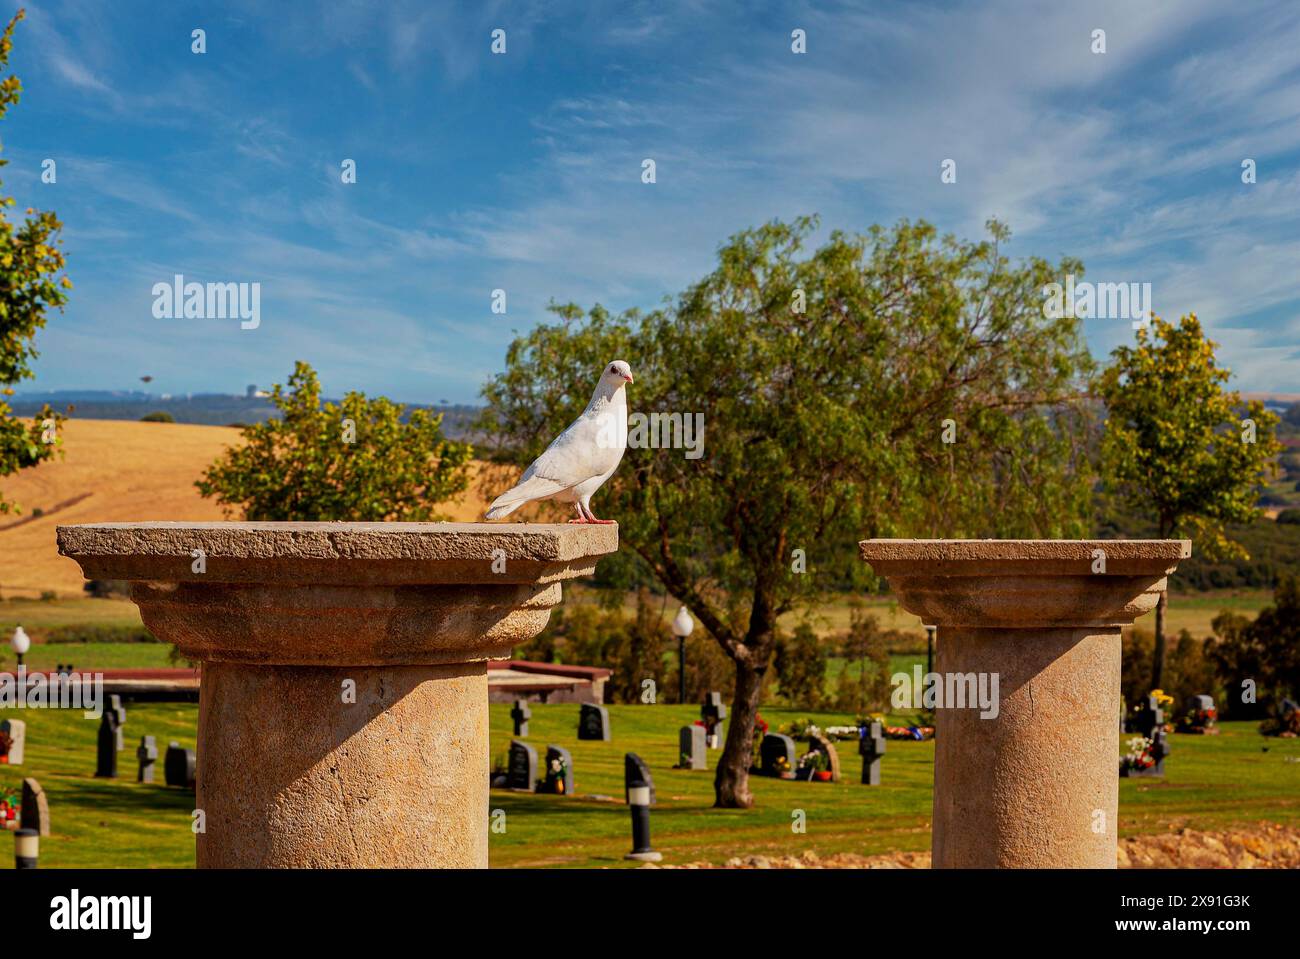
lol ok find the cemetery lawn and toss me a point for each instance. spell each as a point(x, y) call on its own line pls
point(1212, 782)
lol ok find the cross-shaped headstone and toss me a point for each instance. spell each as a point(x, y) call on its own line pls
point(871, 746)
point(147, 754)
point(119, 719)
point(521, 714)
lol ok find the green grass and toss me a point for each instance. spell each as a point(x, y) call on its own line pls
point(97, 656)
point(1212, 782)
point(106, 822)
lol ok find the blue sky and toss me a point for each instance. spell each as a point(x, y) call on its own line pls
point(523, 171)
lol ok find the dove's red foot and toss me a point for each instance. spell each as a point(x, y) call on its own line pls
point(603, 522)
point(585, 520)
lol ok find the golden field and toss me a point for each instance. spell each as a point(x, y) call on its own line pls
point(114, 472)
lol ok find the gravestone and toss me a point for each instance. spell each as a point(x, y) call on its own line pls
point(1158, 749)
point(636, 770)
point(558, 774)
point(713, 712)
point(106, 747)
point(821, 744)
point(1149, 718)
point(1199, 716)
point(593, 722)
point(776, 756)
point(119, 719)
point(871, 746)
point(147, 755)
point(521, 714)
point(35, 808)
point(692, 745)
point(178, 766)
point(521, 774)
point(15, 734)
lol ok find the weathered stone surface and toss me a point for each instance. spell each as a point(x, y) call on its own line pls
point(1024, 789)
point(290, 620)
point(290, 776)
point(352, 554)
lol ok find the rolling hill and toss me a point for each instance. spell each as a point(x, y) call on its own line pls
point(114, 471)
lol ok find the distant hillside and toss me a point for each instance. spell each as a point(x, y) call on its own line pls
point(206, 409)
point(115, 472)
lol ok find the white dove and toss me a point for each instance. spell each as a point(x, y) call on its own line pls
point(582, 458)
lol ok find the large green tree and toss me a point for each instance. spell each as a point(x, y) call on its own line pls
point(360, 459)
point(30, 285)
point(1179, 447)
point(888, 384)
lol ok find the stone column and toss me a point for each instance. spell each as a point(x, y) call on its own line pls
point(1037, 785)
point(343, 716)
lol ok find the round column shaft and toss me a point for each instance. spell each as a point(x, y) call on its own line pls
point(1029, 778)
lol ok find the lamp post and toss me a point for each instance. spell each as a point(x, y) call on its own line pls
point(682, 626)
point(27, 848)
point(20, 642)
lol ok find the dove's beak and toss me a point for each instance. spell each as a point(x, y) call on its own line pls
point(629, 378)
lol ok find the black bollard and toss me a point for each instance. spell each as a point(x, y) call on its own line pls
point(638, 798)
point(27, 848)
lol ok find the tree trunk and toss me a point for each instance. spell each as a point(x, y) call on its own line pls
point(1158, 660)
point(731, 781)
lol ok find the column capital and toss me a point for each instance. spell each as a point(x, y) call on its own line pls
point(1028, 583)
point(341, 594)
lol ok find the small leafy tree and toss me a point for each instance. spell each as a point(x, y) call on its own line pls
point(361, 459)
point(1179, 447)
point(30, 261)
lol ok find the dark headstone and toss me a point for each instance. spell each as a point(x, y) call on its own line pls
point(521, 774)
point(636, 770)
point(593, 722)
point(35, 808)
point(106, 749)
point(521, 714)
point(1149, 717)
point(713, 712)
point(178, 766)
point(558, 774)
point(871, 746)
point(147, 755)
point(776, 756)
point(692, 744)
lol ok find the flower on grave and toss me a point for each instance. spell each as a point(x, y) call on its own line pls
point(781, 764)
point(1139, 754)
point(815, 760)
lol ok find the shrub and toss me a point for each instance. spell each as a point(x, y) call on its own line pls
point(158, 416)
point(1290, 515)
point(100, 633)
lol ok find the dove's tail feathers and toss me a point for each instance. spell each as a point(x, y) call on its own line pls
point(533, 488)
point(496, 512)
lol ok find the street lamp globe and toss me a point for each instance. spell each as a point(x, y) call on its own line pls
point(20, 642)
point(683, 624)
